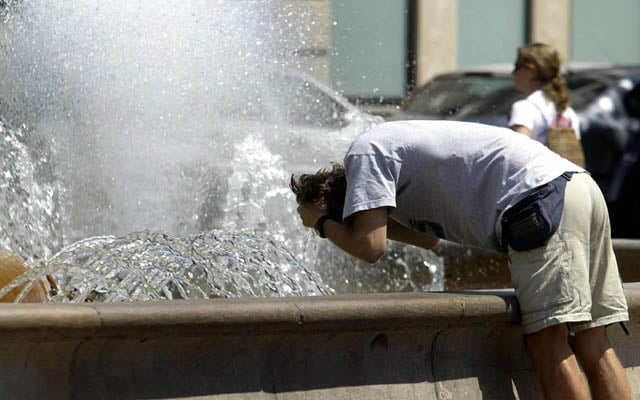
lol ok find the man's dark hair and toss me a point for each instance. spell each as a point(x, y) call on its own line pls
point(325, 187)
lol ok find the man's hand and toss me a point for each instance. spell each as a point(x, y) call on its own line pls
point(309, 213)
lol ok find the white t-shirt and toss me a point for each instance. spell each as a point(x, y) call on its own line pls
point(452, 179)
point(537, 113)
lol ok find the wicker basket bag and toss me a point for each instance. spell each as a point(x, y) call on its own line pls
point(564, 142)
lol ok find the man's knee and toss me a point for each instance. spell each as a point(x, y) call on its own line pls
point(591, 343)
point(549, 345)
point(550, 337)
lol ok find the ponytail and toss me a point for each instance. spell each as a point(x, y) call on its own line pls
point(547, 62)
point(556, 91)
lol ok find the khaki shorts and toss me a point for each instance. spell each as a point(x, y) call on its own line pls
point(574, 276)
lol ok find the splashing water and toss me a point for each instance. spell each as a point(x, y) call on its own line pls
point(182, 118)
point(205, 265)
point(28, 203)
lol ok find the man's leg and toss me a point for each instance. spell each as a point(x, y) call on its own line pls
point(555, 364)
point(606, 375)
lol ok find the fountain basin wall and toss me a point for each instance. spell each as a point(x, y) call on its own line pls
point(380, 346)
point(473, 268)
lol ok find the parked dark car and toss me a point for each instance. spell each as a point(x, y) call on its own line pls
point(607, 100)
point(609, 110)
point(448, 94)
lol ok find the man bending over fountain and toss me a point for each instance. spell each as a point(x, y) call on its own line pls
point(420, 181)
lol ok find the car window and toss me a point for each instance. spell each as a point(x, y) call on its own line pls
point(584, 91)
point(300, 102)
point(631, 102)
point(445, 96)
point(241, 101)
point(497, 103)
point(279, 98)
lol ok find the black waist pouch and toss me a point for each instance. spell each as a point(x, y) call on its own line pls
point(533, 220)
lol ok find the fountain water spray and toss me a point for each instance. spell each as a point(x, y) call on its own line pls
point(173, 117)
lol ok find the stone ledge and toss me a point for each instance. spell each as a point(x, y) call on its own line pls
point(393, 311)
point(400, 346)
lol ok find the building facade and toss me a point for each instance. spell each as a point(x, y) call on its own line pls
point(380, 49)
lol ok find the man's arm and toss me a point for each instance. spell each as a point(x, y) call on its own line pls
point(366, 237)
point(400, 233)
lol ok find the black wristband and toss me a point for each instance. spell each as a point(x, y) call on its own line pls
point(319, 226)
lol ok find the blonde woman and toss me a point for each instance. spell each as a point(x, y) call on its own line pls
point(537, 73)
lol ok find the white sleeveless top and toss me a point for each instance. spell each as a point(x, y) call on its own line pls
point(536, 113)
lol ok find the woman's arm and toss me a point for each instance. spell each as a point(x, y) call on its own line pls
point(522, 129)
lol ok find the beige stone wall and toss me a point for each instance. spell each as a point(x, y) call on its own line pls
point(437, 38)
point(436, 34)
point(318, 60)
point(312, 19)
point(551, 24)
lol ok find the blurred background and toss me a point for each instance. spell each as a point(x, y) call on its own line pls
point(443, 59)
point(380, 50)
point(146, 138)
